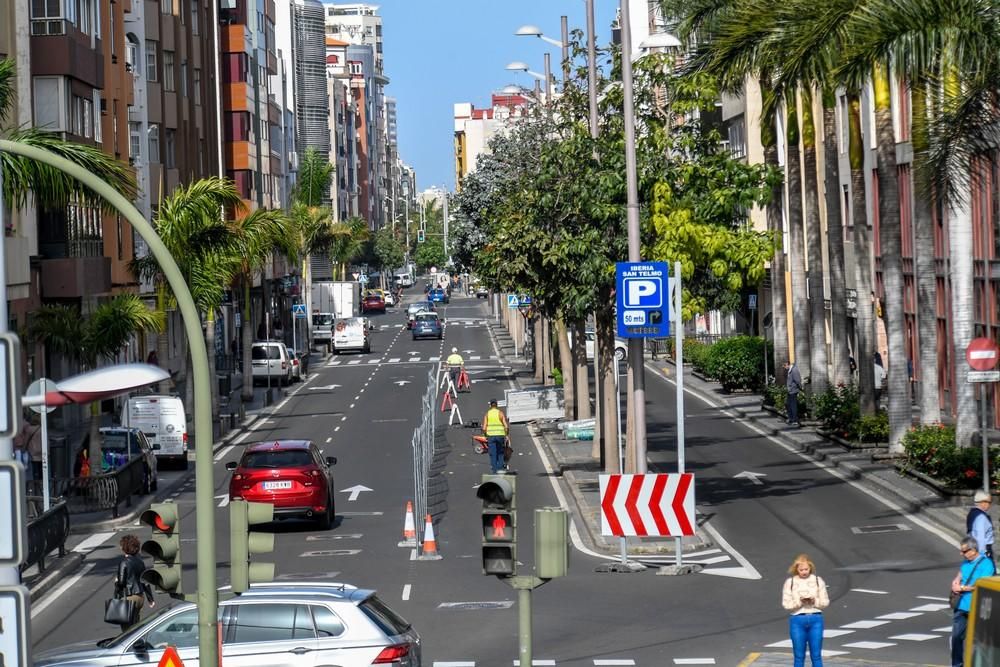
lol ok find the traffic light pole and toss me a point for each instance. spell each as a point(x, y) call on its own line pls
point(208, 598)
point(524, 585)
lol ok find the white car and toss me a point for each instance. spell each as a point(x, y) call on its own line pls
point(621, 346)
point(351, 333)
point(296, 363)
point(164, 423)
point(271, 363)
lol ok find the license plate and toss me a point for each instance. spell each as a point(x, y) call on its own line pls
point(270, 486)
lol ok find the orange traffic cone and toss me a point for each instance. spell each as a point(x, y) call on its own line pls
point(409, 528)
point(430, 551)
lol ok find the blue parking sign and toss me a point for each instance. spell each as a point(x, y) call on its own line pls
point(642, 299)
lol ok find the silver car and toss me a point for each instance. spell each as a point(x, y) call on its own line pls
point(293, 624)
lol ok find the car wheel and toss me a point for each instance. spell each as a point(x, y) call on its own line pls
point(326, 519)
point(619, 354)
point(146, 482)
point(184, 462)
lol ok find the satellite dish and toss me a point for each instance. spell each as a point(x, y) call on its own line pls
point(768, 320)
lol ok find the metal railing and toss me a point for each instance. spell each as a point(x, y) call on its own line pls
point(97, 492)
point(47, 532)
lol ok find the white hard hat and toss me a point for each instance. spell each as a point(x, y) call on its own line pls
point(454, 349)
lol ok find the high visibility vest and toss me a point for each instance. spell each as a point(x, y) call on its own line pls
point(455, 360)
point(494, 422)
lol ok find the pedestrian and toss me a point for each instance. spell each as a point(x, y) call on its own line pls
point(793, 384)
point(978, 523)
point(128, 582)
point(879, 380)
point(496, 429)
point(974, 566)
point(28, 447)
point(455, 363)
point(804, 595)
point(152, 358)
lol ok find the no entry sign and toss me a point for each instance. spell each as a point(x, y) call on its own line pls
point(982, 354)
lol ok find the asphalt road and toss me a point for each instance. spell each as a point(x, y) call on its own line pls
point(364, 413)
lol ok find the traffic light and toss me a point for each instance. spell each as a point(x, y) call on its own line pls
point(420, 236)
point(551, 542)
point(499, 524)
point(164, 547)
point(243, 544)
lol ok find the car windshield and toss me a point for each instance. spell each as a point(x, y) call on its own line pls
point(322, 319)
point(416, 307)
point(427, 318)
point(118, 441)
point(277, 458)
point(381, 615)
point(265, 352)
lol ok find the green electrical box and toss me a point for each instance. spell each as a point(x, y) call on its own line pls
point(551, 542)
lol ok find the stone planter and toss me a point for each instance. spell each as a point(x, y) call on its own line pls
point(935, 484)
point(854, 446)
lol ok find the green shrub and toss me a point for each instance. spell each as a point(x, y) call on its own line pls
point(776, 396)
point(557, 376)
point(932, 451)
point(838, 410)
point(872, 428)
point(737, 362)
point(696, 354)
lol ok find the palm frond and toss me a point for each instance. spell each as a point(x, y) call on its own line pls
point(110, 327)
point(7, 76)
point(258, 234)
point(59, 329)
point(314, 178)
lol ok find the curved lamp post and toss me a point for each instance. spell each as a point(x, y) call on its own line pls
point(207, 596)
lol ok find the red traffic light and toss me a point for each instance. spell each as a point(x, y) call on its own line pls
point(498, 527)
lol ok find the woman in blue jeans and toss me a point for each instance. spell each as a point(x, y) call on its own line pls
point(804, 595)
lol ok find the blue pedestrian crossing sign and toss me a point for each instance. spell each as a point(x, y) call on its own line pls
point(299, 311)
point(642, 299)
point(512, 301)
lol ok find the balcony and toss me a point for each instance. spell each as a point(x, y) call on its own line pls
point(236, 39)
point(272, 63)
point(74, 277)
point(238, 156)
point(273, 112)
point(237, 96)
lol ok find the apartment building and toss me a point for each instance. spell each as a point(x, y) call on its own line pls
point(475, 127)
point(342, 124)
point(312, 103)
point(281, 94)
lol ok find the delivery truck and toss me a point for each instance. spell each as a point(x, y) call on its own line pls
point(333, 300)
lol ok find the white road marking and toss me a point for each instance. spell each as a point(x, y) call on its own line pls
point(406, 596)
point(331, 437)
point(413, 554)
point(946, 628)
point(865, 590)
point(335, 429)
point(352, 406)
point(545, 663)
point(93, 542)
point(869, 645)
point(223, 499)
point(354, 362)
point(57, 594)
point(867, 625)
point(939, 606)
point(392, 361)
point(614, 662)
point(355, 491)
point(837, 633)
point(746, 571)
point(898, 616)
point(914, 637)
point(694, 661)
point(932, 597)
point(343, 418)
point(784, 643)
point(453, 664)
point(357, 397)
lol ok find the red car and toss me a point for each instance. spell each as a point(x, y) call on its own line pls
point(293, 475)
point(373, 303)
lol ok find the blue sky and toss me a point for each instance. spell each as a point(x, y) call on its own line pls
point(440, 52)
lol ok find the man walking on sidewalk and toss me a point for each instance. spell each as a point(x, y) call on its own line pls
point(793, 384)
point(496, 429)
point(979, 524)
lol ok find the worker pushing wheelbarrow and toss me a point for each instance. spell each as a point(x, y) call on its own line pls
point(495, 438)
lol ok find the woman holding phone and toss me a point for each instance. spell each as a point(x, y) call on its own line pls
point(804, 595)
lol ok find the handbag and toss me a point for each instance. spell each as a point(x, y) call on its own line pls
point(954, 598)
point(119, 611)
point(508, 451)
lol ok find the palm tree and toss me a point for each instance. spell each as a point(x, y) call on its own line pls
point(314, 176)
point(796, 235)
point(87, 340)
point(24, 178)
point(348, 240)
point(255, 237)
point(814, 250)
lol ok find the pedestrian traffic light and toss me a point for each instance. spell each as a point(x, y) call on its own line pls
point(164, 546)
point(551, 542)
point(499, 524)
point(243, 544)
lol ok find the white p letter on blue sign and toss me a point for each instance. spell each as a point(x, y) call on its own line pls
point(643, 292)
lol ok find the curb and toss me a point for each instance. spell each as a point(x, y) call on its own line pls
point(823, 449)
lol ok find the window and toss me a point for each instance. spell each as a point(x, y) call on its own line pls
point(166, 7)
point(150, 60)
point(273, 622)
point(49, 103)
point(131, 56)
point(134, 143)
point(184, 78)
point(168, 71)
point(242, 179)
point(194, 17)
point(328, 624)
point(169, 148)
point(179, 631)
point(234, 67)
point(46, 17)
point(196, 84)
point(154, 143)
point(236, 126)
point(82, 117)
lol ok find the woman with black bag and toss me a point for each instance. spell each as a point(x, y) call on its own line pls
point(129, 587)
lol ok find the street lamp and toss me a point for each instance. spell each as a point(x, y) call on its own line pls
point(518, 66)
point(535, 31)
point(97, 385)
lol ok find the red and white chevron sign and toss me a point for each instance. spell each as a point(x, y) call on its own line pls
point(647, 505)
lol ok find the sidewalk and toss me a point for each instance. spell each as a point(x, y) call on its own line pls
point(88, 523)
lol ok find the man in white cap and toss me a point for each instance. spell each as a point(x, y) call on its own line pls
point(978, 523)
point(455, 363)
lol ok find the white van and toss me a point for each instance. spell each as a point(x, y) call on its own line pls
point(351, 333)
point(404, 279)
point(163, 422)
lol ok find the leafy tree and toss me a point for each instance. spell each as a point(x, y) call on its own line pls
point(388, 249)
point(430, 253)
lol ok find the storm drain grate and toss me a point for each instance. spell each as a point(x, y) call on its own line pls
point(331, 552)
point(464, 606)
point(884, 528)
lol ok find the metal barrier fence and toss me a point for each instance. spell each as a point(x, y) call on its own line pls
point(97, 492)
point(423, 448)
point(46, 533)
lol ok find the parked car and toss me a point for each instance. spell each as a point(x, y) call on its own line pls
point(269, 624)
point(270, 362)
point(428, 325)
point(482, 292)
point(373, 303)
point(621, 345)
point(164, 423)
point(296, 363)
point(438, 295)
point(293, 475)
point(120, 444)
point(390, 300)
point(418, 307)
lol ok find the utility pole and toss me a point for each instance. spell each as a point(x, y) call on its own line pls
point(444, 212)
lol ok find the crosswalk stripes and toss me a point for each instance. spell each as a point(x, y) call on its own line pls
point(398, 360)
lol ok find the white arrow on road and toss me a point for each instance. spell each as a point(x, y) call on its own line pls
point(355, 491)
point(412, 352)
point(468, 351)
point(752, 476)
point(223, 499)
point(401, 382)
point(329, 387)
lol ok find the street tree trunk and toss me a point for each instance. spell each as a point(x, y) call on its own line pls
point(926, 269)
point(609, 394)
point(962, 310)
point(891, 242)
point(775, 224)
point(835, 245)
point(246, 335)
point(796, 240)
point(864, 325)
point(814, 251)
point(569, 377)
point(579, 352)
point(163, 337)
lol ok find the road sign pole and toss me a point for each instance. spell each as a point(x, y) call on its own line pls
point(46, 501)
point(679, 346)
point(982, 435)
